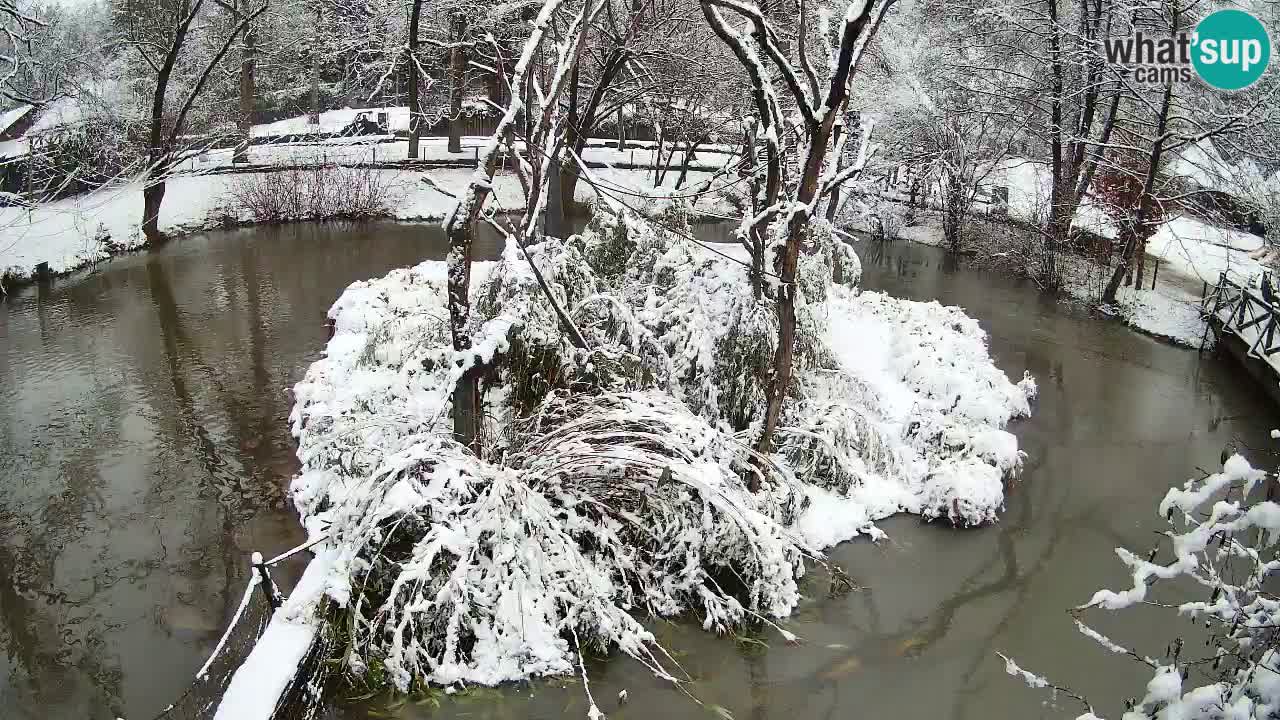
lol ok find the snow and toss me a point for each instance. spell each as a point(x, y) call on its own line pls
point(1184, 253)
point(270, 667)
point(84, 229)
point(9, 117)
point(1198, 250)
point(1211, 530)
point(941, 396)
point(60, 112)
point(1031, 679)
point(1170, 311)
point(905, 405)
point(1201, 164)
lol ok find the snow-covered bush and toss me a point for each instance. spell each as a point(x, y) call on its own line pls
point(311, 192)
point(887, 219)
point(614, 479)
point(1222, 548)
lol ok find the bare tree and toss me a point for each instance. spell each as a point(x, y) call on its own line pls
point(240, 11)
point(1046, 59)
point(415, 75)
point(818, 110)
point(16, 60)
point(1154, 129)
point(160, 32)
point(544, 145)
point(457, 78)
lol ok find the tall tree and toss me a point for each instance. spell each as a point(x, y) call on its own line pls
point(239, 11)
point(415, 75)
point(818, 110)
point(457, 78)
point(161, 33)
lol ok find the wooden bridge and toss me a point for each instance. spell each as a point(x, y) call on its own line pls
point(1244, 321)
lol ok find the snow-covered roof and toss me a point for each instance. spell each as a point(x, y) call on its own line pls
point(1203, 165)
point(64, 111)
point(9, 117)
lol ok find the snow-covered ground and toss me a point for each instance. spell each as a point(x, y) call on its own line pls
point(76, 231)
point(1184, 252)
point(367, 150)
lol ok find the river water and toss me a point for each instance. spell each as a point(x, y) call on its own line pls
point(144, 452)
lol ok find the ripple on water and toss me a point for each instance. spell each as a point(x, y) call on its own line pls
point(145, 450)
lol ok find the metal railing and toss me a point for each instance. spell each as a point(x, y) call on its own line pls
point(1229, 307)
point(200, 700)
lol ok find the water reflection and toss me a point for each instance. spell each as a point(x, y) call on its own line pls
point(145, 451)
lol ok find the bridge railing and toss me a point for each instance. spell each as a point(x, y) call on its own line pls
point(1232, 308)
point(200, 699)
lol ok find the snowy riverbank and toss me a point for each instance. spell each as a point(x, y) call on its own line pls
point(611, 482)
point(1184, 253)
point(74, 232)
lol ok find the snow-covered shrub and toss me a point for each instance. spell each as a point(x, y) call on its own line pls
point(312, 192)
point(834, 437)
point(887, 219)
point(1222, 548)
point(606, 246)
point(699, 308)
point(74, 158)
point(817, 264)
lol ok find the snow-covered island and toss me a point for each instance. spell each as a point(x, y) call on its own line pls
point(612, 483)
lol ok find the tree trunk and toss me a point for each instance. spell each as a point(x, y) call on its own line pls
point(564, 181)
point(833, 203)
point(953, 213)
point(457, 77)
point(821, 129)
point(314, 118)
point(690, 152)
point(1135, 236)
point(468, 411)
point(152, 197)
point(415, 102)
point(756, 240)
point(248, 91)
point(554, 223)
point(157, 148)
point(1049, 264)
point(1140, 258)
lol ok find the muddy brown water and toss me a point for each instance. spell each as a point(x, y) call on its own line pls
point(144, 452)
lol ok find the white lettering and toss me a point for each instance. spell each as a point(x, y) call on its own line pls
point(1252, 54)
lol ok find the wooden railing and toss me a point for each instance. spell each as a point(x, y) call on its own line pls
point(1229, 307)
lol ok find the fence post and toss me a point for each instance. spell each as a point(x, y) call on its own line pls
point(268, 585)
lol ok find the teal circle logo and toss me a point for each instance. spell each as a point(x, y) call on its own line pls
point(1232, 49)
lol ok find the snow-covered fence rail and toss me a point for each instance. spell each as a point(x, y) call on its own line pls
point(1230, 307)
point(258, 602)
point(1244, 322)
